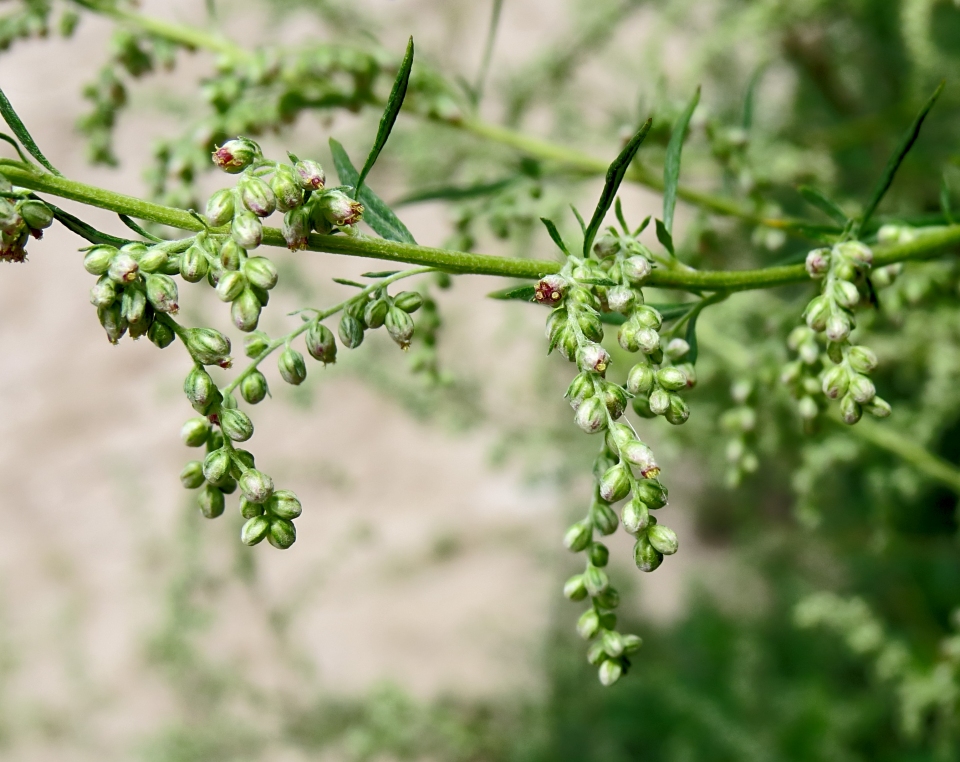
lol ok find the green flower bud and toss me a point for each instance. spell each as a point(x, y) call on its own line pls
point(590, 324)
point(599, 555)
point(856, 252)
point(254, 387)
point(595, 653)
point(103, 294)
point(672, 379)
point(200, 389)
point(133, 304)
point(652, 492)
point(638, 454)
point(835, 382)
point(659, 401)
point(339, 209)
point(208, 346)
point(635, 517)
point(400, 326)
point(862, 389)
point(603, 518)
point(569, 345)
point(612, 643)
point(220, 208)
point(284, 503)
point(286, 189)
point(678, 412)
point(256, 344)
point(193, 264)
point(878, 407)
point(844, 293)
point(36, 214)
point(351, 332)
point(632, 643)
point(615, 483)
point(211, 502)
point(375, 313)
point(589, 624)
point(230, 286)
point(245, 310)
point(293, 370)
point(647, 557)
point(595, 580)
point(636, 269)
point(113, 322)
point(255, 485)
point(818, 263)
point(296, 228)
point(97, 260)
point(591, 416)
point(862, 359)
point(195, 432)
point(162, 293)
point(408, 301)
point(578, 536)
point(619, 435)
point(610, 671)
point(663, 539)
point(261, 272)
point(839, 325)
point(250, 510)
point(236, 155)
point(309, 174)
point(817, 313)
point(640, 379)
point(580, 388)
point(320, 343)
point(217, 464)
point(620, 299)
point(850, 409)
point(574, 588)
point(247, 230)
point(160, 334)
point(236, 424)
point(123, 268)
point(191, 476)
point(230, 255)
point(154, 260)
point(608, 599)
point(254, 530)
point(282, 533)
point(242, 456)
point(641, 406)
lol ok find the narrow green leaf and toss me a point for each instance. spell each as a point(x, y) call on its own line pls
point(85, 231)
point(615, 174)
point(379, 274)
point(345, 282)
point(663, 235)
point(618, 210)
point(376, 213)
point(522, 293)
point(643, 226)
point(456, 192)
point(13, 121)
point(555, 235)
point(671, 166)
point(23, 157)
point(583, 225)
point(137, 229)
point(896, 159)
point(389, 118)
point(476, 92)
point(826, 205)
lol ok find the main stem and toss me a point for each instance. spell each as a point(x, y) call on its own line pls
point(925, 246)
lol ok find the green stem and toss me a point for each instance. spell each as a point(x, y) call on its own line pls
point(927, 245)
point(320, 315)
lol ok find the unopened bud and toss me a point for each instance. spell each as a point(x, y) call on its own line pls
point(236, 155)
point(284, 503)
point(400, 326)
point(599, 555)
point(236, 424)
point(856, 252)
point(647, 557)
point(255, 485)
point(578, 536)
point(610, 671)
point(678, 412)
point(217, 464)
point(862, 388)
point(835, 382)
point(635, 517)
point(588, 624)
point(193, 264)
point(296, 228)
point(211, 502)
point(36, 214)
point(97, 260)
point(651, 492)
point(640, 379)
point(878, 407)
point(574, 588)
point(293, 370)
point(247, 230)
point(208, 346)
point(807, 408)
point(160, 334)
point(249, 510)
point(257, 196)
point(636, 269)
point(844, 293)
point(245, 310)
point(591, 415)
point(286, 188)
point(261, 272)
point(191, 476)
point(602, 517)
point(672, 379)
point(817, 313)
point(408, 301)
point(256, 344)
point(620, 299)
point(596, 580)
point(309, 174)
point(282, 533)
point(612, 643)
point(818, 263)
point(375, 313)
point(321, 344)
point(351, 332)
point(339, 209)
point(663, 539)
point(839, 325)
point(113, 322)
point(194, 432)
point(850, 410)
point(200, 389)
point(254, 530)
point(580, 388)
point(220, 208)
point(862, 359)
point(162, 293)
point(659, 401)
point(254, 388)
point(615, 483)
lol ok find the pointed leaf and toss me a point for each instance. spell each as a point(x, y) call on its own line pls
point(671, 166)
point(346, 282)
point(663, 235)
point(826, 205)
point(137, 229)
point(555, 234)
point(380, 274)
point(376, 213)
point(583, 225)
point(85, 231)
point(456, 192)
point(615, 174)
point(643, 226)
point(618, 209)
point(23, 135)
point(896, 159)
point(523, 293)
point(389, 118)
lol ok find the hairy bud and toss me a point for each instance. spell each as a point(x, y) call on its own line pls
point(236, 155)
point(220, 208)
point(293, 370)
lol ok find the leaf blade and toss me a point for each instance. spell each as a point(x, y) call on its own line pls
point(825, 204)
point(23, 135)
point(671, 165)
point(555, 234)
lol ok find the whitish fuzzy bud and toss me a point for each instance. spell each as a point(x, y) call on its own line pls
point(640, 379)
point(574, 588)
point(230, 254)
point(835, 382)
point(211, 502)
point(154, 260)
point(595, 580)
point(606, 246)
point(257, 196)
point(255, 485)
point(261, 272)
point(615, 483)
point(818, 263)
point(648, 317)
point(282, 533)
point(862, 359)
point(113, 322)
point(857, 252)
point(286, 188)
point(162, 293)
point(296, 228)
point(339, 209)
point(672, 379)
point(620, 299)
point(321, 344)
point(610, 671)
point(400, 326)
point(648, 341)
point(191, 476)
point(123, 268)
point(208, 346)
point(659, 401)
point(236, 155)
point(247, 230)
point(351, 332)
point(255, 530)
point(245, 310)
point(612, 643)
point(850, 410)
point(844, 293)
point(591, 416)
point(878, 407)
point(309, 174)
point(254, 387)
point(636, 269)
point(194, 432)
point(663, 539)
point(589, 624)
point(646, 557)
point(862, 389)
point(621, 435)
point(103, 294)
point(807, 408)
point(284, 503)
point(293, 369)
point(217, 465)
point(220, 208)
point(817, 313)
point(193, 264)
point(593, 357)
point(839, 325)
point(236, 424)
point(638, 454)
point(578, 536)
point(97, 260)
point(635, 516)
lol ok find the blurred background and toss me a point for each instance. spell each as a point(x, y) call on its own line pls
point(809, 614)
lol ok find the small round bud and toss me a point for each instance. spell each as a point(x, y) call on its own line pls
point(375, 313)
point(160, 334)
point(589, 322)
point(123, 268)
point(651, 492)
point(591, 415)
point(236, 155)
point(254, 530)
point(878, 407)
point(195, 432)
point(282, 534)
point(663, 539)
point(309, 174)
point(133, 304)
point(254, 388)
point(245, 310)
point(640, 379)
point(257, 196)
point(857, 252)
point(339, 209)
point(296, 228)
point(862, 359)
point(550, 290)
point(672, 379)
point(648, 341)
point(635, 517)
point(839, 325)
point(114, 323)
point(862, 389)
point(194, 264)
point(256, 344)
point(577, 537)
point(36, 214)
point(400, 326)
point(200, 389)
point(211, 502)
point(408, 301)
point(610, 671)
point(589, 624)
point(621, 299)
point(593, 357)
point(850, 410)
point(636, 269)
point(603, 518)
point(615, 483)
point(678, 412)
point(818, 263)
point(208, 346)
point(247, 230)
point(659, 401)
point(261, 272)
point(191, 476)
point(97, 260)
point(220, 208)
point(580, 388)
point(351, 332)
point(599, 555)
point(249, 510)
point(255, 485)
point(632, 643)
point(236, 424)
point(844, 293)
point(807, 408)
point(216, 466)
point(286, 188)
point(154, 260)
point(162, 293)
point(595, 580)
point(612, 643)
point(638, 454)
point(574, 588)
point(293, 370)
point(284, 503)
point(608, 599)
point(231, 254)
point(320, 343)
point(817, 313)
point(647, 557)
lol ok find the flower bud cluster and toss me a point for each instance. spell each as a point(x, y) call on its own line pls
point(19, 220)
point(134, 290)
point(225, 468)
point(841, 268)
point(801, 376)
point(376, 310)
point(740, 423)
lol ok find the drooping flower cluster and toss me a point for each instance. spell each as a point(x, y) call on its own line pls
point(20, 218)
